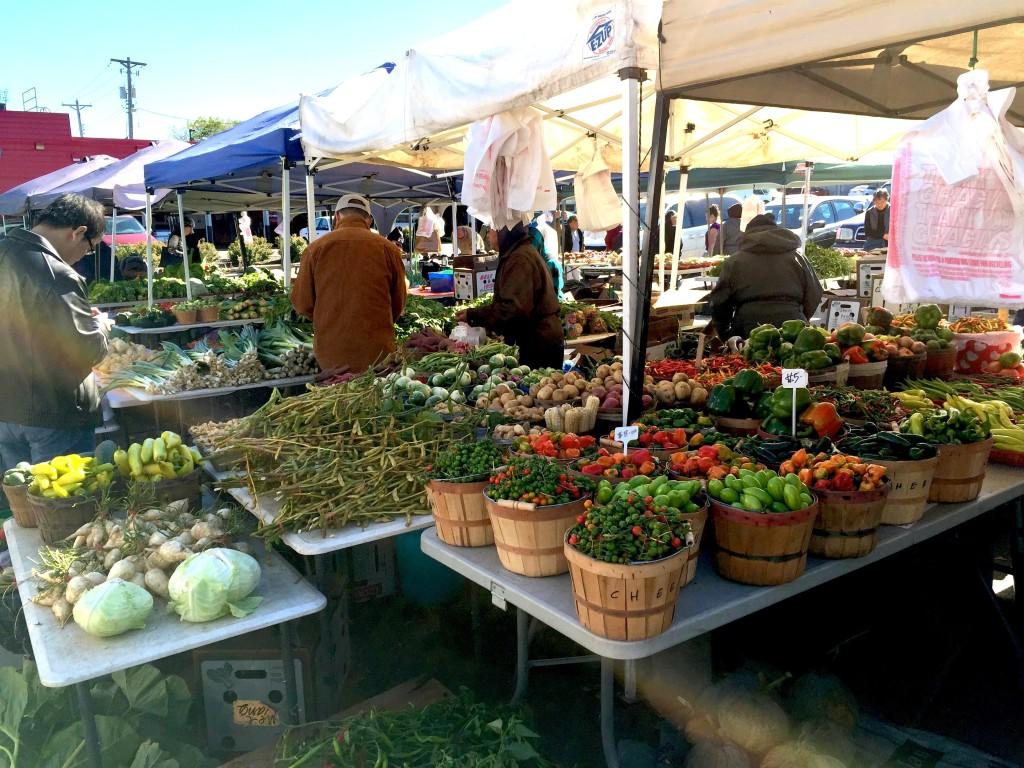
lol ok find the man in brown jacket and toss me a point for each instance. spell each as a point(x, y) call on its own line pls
point(524, 310)
point(352, 285)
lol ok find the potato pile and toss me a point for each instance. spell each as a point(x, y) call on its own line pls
point(679, 391)
point(506, 399)
point(561, 387)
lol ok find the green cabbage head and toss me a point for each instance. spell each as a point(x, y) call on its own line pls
point(214, 583)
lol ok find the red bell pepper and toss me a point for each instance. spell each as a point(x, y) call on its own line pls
point(592, 469)
point(708, 452)
point(856, 355)
point(824, 418)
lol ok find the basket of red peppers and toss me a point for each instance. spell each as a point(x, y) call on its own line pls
point(564, 447)
point(616, 466)
point(711, 462)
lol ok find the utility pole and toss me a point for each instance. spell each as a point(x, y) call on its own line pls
point(78, 111)
point(129, 65)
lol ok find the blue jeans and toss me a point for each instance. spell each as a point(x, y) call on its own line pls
point(35, 444)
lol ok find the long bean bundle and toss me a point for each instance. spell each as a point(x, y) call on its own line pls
point(338, 455)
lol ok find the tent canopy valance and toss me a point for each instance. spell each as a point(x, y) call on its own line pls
point(17, 201)
point(866, 57)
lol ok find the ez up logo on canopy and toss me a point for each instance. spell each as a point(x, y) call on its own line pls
point(600, 40)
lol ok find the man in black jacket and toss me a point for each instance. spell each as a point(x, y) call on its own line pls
point(876, 223)
point(49, 337)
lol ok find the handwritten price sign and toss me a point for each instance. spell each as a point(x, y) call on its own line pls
point(625, 435)
point(794, 378)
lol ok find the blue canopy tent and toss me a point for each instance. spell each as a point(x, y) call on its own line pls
point(257, 156)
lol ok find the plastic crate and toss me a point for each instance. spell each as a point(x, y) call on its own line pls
point(441, 282)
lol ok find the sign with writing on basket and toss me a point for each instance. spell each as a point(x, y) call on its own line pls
point(794, 378)
point(625, 435)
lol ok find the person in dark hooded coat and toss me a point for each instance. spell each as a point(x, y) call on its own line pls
point(524, 310)
point(768, 281)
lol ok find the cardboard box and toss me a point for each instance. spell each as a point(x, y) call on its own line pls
point(372, 570)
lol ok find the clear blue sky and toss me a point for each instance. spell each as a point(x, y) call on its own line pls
point(223, 58)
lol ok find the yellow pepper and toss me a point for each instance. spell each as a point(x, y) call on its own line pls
point(59, 491)
point(71, 477)
point(45, 469)
point(166, 469)
point(151, 470)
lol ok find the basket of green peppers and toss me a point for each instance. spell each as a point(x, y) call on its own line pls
point(964, 444)
point(737, 403)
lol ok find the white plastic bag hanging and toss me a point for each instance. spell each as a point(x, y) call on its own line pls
point(956, 230)
point(598, 208)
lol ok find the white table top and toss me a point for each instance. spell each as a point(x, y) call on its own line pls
point(68, 655)
point(130, 397)
point(177, 327)
point(315, 542)
point(709, 601)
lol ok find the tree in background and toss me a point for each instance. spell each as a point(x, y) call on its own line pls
point(204, 127)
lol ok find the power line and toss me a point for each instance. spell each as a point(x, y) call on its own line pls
point(129, 66)
point(78, 111)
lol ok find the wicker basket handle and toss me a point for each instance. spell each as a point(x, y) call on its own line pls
point(523, 505)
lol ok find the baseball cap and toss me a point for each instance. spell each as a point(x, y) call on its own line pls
point(354, 201)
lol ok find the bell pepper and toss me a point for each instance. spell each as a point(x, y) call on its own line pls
point(834, 353)
point(880, 316)
point(748, 384)
point(815, 360)
point(764, 406)
point(809, 340)
point(850, 334)
point(722, 400)
point(782, 402)
point(927, 316)
point(791, 329)
point(824, 418)
point(765, 336)
point(843, 480)
point(856, 355)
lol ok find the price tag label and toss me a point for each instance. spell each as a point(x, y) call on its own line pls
point(254, 713)
point(794, 378)
point(625, 435)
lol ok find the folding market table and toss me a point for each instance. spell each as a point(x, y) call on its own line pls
point(68, 656)
point(707, 603)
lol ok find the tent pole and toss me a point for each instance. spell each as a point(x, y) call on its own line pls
point(310, 205)
point(807, 202)
point(663, 214)
point(184, 245)
point(286, 225)
point(113, 243)
point(655, 180)
point(455, 231)
point(721, 218)
point(677, 243)
point(149, 249)
point(472, 235)
point(631, 290)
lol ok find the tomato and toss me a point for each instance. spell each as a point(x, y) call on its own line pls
point(570, 442)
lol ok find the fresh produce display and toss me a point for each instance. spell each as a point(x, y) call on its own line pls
point(616, 465)
point(763, 491)
point(713, 462)
point(156, 459)
point(675, 418)
point(713, 370)
point(925, 324)
point(1006, 364)
point(794, 345)
point(555, 445)
point(246, 309)
point(286, 351)
point(973, 324)
point(337, 455)
point(857, 345)
point(657, 438)
point(873, 444)
point(19, 474)
point(739, 397)
point(819, 419)
point(764, 344)
point(773, 451)
point(157, 316)
point(563, 387)
point(70, 475)
point(996, 416)
point(607, 386)
point(121, 354)
point(569, 418)
point(638, 521)
point(452, 733)
point(112, 608)
point(711, 436)
point(861, 404)
point(946, 426)
point(510, 432)
point(680, 391)
point(508, 400)
point(828, 263)
point(467, 462)
point(536, 480)
point(978, 388)
point(903, 346)
point(419, 314)
point(834, 472)
point(584, 319)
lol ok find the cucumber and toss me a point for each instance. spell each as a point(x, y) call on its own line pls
point(778, 506)
point(759, 494)
point(729, 496)
point(751, 503)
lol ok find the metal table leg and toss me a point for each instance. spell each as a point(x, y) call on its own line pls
point(629, 681)
point(611, 754)
point(92, 738)
point(522, 654)
point(291, 696)
point(474, 619)
point(1017, 558)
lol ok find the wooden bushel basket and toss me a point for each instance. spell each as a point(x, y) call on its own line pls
point(908, 493)
point(940, 363)
point(460, 513)
point(763, 549)
point(657, 453)
point(21, 507)
point(626, 602)
point(530, 539)
point(960, 472)
point(744, 427)
point(184, 487)
point(867, 375)
point(59, 518)
point(698, 523)
point(848, 521)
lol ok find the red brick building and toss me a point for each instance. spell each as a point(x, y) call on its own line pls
point(34, 143)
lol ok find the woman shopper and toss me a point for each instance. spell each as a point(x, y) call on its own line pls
point(524, 309)
point(711, 236)
point(572, 236)
point(766, 282)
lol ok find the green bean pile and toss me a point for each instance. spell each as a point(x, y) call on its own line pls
point(338, 455)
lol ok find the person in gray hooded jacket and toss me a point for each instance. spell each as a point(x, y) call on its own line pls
point(768, 281)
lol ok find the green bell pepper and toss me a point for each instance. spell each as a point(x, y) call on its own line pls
point(810, 339)
point(791, 329)
point(782, 402)
point(815, 360)
point(786, 350)
point(748, 384)
point(944, 334)
point(927, 316)
point(765, 337)
point(834, 353)
point(850, 335)
point(880, 316)
point(722, 399)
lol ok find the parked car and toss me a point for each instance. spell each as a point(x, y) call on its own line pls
point(323, 226)
point(129, 231)
point(850, 234)
point(825, 213)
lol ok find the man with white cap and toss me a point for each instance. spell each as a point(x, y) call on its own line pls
point(352, 285)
